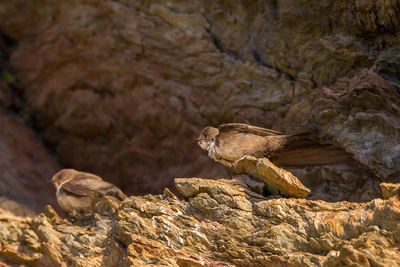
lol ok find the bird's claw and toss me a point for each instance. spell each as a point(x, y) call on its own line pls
point(235, 164)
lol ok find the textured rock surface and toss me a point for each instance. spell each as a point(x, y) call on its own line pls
point(25, 166)
point(220, 223)
point(277, 180)
point(122, 88)
point(390, 190)
point(118, 87)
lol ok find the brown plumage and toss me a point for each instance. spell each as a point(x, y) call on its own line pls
point(76, 190)
point(230, 142)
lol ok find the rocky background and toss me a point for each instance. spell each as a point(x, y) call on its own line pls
point(122, 88)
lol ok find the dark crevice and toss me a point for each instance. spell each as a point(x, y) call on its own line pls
point(259, 60)
point(257, 57)
point(7, 45)
point(218, 44)
point(7, 74)
point(103, 93)
point(122, 247)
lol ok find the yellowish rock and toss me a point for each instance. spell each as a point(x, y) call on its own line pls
point(220, 223)
point(278, 180)
point(389, 190)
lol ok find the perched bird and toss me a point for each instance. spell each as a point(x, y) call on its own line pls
point(76, 191)
point(230, 142)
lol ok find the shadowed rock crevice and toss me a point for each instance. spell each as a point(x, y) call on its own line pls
point(25, 165)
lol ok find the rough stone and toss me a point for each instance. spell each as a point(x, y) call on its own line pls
point(220, 223)
point(277, 180)
point(122, 88)
point(390, 190)
point(25, 167)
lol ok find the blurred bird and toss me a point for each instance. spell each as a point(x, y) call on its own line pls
point(230, 142)
point(77, 191)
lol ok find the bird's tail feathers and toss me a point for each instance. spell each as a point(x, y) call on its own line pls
point(301, 150)
point(313, 155)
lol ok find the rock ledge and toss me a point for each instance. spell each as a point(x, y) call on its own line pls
point(219, 223)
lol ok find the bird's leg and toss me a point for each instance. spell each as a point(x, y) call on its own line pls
point(224, 162)
point(236, 162)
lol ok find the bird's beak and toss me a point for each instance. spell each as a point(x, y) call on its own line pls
point(197, 140)
point(50, 181)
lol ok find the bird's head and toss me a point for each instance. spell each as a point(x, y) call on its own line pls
point(62, 176)
point(207, 136)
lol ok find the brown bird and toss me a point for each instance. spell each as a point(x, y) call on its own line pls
point(230, 142)
point(76, 191)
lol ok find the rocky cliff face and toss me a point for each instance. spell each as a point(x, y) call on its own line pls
point(25, 166)
point(219, 223)
point(121, 88)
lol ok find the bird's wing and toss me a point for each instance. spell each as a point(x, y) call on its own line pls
point(245, 128)
point(112, 191)
point(88, 185)
point(79, 188)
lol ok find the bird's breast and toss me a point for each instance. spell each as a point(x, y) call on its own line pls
point(70, 202)
point(212, 150)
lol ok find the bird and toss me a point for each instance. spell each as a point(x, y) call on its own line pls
point(231, 142)
point(77, 191)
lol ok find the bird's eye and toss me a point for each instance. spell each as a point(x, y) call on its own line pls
point(60, 176)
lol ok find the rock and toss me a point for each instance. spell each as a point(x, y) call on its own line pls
point(6, 77)
point(278, 180)
point(220, 223)
point(390, 190)
point(16, 208)
point(339, 110)
point(6, 96)
point(25, 167)
point(99, 76)
point(122, 88)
